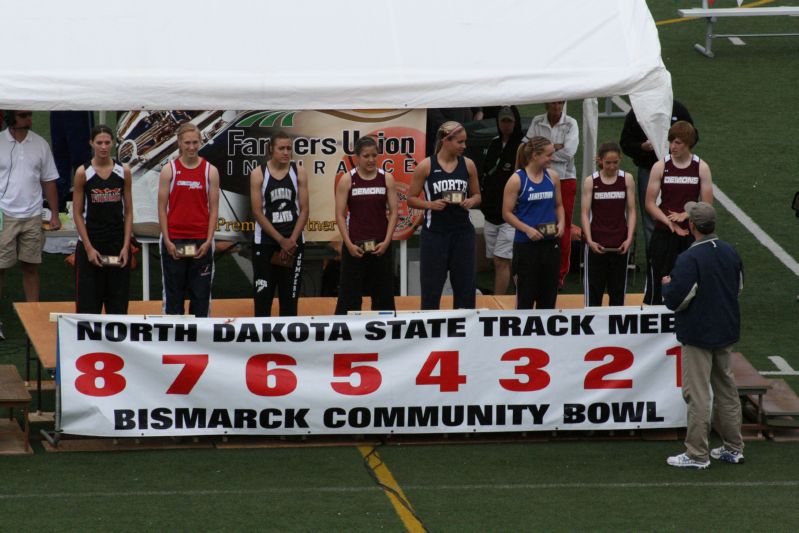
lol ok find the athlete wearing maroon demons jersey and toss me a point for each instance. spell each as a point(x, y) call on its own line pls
point(103, 215)
point(279, 203)
point(679, 178)
point(366, 193)
point(188, 209)
point(608, 219)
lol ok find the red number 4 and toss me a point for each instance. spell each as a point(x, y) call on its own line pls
point(448, 379)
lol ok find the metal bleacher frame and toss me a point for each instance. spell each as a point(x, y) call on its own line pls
point(712, 14)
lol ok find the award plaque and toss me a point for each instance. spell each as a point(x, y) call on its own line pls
point(550, 229)
point(611, 250)
point(110, 260)
point(454, 197)
point(367, 246)
point(277, 260)
point(187, 250)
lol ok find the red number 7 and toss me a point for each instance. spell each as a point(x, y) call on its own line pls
point(193, 368)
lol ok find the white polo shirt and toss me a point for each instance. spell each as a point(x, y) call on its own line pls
point(565, 132)
point(23, 168)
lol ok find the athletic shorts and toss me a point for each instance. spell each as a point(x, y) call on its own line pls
point(21, 238)
point(499, 240)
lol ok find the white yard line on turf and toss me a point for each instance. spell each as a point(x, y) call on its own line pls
point(756, 230)
point(480, 487)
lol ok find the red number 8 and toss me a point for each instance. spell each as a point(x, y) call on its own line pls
point(113, 382)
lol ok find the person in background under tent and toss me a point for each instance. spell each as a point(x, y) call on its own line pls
point(498, 166)
point(564, 133)
point(26, 170)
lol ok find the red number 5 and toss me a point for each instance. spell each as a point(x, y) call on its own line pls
point(370, 378)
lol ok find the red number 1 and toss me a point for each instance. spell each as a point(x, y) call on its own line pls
point(677, 353)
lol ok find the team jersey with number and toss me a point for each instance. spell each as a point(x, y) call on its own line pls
point(280, 203)
point(453, 217)
point(679, 186)
point(104, 211)
point(367, 204)
point(609, 211)
point(187, 210)
point(535, 204)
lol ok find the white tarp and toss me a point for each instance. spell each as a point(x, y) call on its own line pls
point(347, 54)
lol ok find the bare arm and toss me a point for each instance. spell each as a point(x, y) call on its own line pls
point(585, 214)
point(342, 197)
point(417, 183)
point(705, 183)
point(127, 201)
point(559, 211)
point(393, 214)
point(302, 219)
point(474, 198)
point(78, 206)
point(51, 194)
point(213, 211)
point(163, 201)
point(509, 199)
point(629, 184)
point(652, 192)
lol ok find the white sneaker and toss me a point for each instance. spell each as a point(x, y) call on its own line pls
point(728, 456)
point(2, 335)
point(683, 461)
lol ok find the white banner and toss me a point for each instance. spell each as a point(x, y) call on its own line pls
point(432, 372)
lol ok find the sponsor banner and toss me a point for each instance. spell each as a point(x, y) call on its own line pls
point(237, 142)
point(430, 372)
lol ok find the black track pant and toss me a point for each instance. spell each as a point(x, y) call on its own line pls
point(187, 278)
point(269, 278)
point(536, 269)
point(98, 287)
point(370, 274)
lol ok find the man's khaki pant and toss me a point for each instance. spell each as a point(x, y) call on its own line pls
point(702, 371)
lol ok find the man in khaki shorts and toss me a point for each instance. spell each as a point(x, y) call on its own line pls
point(26, 163)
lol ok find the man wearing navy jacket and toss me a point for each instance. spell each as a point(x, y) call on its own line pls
point(703, 291)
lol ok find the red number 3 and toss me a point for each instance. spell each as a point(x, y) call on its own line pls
point(108, 371)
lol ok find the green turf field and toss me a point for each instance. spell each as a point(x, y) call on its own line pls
point(746, 105)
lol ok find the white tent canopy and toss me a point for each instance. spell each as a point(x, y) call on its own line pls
point(231, 54)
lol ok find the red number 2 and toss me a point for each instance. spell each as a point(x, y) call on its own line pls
point(621, 359)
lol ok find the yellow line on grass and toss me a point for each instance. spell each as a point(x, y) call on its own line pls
point(385, 477)
point(686, 19)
